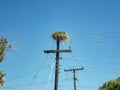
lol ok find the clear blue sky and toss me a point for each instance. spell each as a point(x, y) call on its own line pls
point(94, 29)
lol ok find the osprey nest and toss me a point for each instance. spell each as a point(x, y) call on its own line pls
point(61, 36)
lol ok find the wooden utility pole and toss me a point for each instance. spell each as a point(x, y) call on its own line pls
point(57, 51)
point(74, 76)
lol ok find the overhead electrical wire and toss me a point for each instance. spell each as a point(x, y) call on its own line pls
point(28, 73)
point(89, 80)
point(25, 58)
point(33, 80)
point(99, 37)
point(22, 76)
point(101, 62)
point(25, 74)
point(9, 87)
point(50, 76)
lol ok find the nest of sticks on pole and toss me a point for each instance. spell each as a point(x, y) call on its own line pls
point(61, 36)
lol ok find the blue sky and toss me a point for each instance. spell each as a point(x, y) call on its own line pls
point(94, 30)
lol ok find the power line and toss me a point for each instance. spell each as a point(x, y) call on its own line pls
point(101, 61)
point(25, 74)
point(27, 59)
point(99, 37)
point(33, 79)
point(10, 88)
point(88, 79)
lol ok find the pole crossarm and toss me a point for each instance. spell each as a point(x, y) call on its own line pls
point(55, 51)
point(74, 69)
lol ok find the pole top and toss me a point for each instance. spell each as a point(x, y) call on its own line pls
point(61, 36)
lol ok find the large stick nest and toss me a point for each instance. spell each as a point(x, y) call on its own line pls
point(61, 36)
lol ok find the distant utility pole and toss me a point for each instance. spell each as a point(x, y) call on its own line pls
point(58, 36)
point(74, 76)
